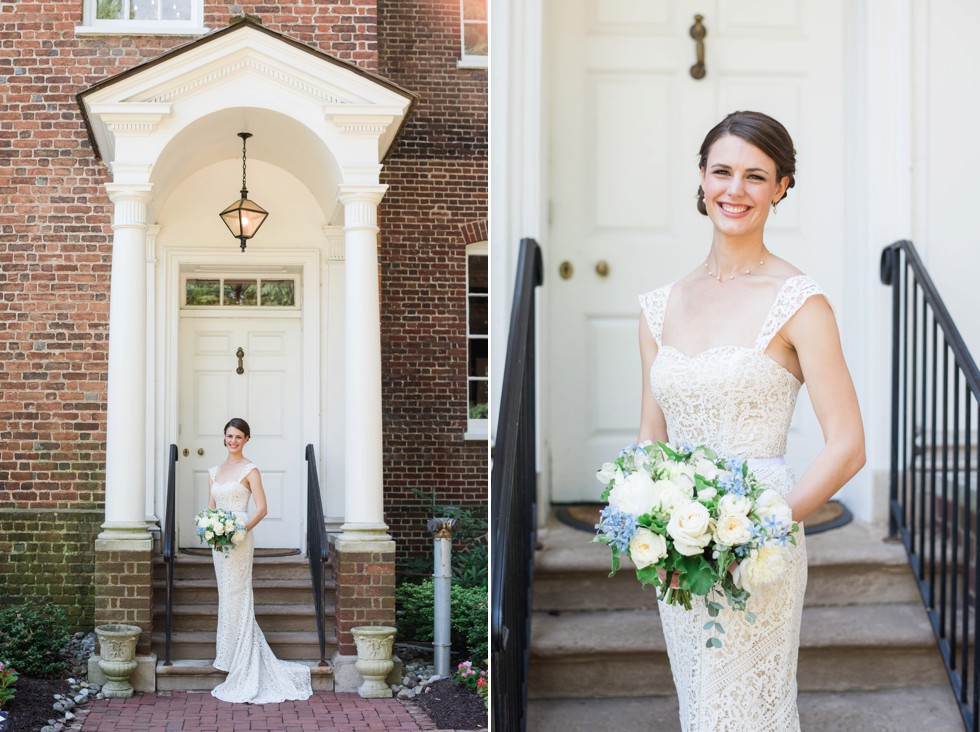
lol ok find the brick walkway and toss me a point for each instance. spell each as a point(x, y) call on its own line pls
point(181, 711)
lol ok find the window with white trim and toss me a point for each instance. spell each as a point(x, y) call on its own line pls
point(172, 17)
point(475, 35)
point(477, 339)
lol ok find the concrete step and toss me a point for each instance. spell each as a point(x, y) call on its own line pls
point(265, 591)
point(190, 566)
point(914, 709)
point(571, 573)
point(857, 647)
point(288, 644)
point(200, 616)
point(200, 675)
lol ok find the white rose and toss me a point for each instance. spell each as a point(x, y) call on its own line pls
point(770, 503)
point(635, 495)
point(682, 475)
point(238, 536)
point(732, 529)
point(667, 496)
point(733, 503)
point(708, 469)
point(690, 528)
point(607, 472)
point(208, 535)
point(647, 548)
point(706, 494)
point(202, 521)
point(761, 567)
point(219, 529)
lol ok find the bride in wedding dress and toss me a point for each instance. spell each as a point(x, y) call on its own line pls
point(255, 675)
point(725, 350)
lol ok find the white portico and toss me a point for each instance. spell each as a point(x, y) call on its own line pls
point(166, 130)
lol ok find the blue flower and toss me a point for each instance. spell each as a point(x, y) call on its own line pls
point(734, 483)
point(617, 527)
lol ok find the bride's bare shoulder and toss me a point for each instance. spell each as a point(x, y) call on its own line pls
point(779, 268)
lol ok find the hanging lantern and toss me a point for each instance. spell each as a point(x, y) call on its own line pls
point(244, 217)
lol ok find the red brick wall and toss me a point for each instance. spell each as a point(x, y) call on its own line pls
point(437, 174)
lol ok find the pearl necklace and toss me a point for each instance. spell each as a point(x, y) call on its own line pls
point(731, 277)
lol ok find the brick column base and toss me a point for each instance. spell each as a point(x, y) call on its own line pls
point(364, 572)
point(124, 594)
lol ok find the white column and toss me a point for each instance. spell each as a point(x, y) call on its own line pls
point(363, 453)
point(125, 493)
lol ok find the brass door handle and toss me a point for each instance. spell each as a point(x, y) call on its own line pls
point(200, 451)
point(241, 356)
point(602, 268)
point(566, 270)
point(186, 452)
point(698, 32)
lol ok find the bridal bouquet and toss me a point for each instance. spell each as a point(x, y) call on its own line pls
point(220, 529)
point(691, 515)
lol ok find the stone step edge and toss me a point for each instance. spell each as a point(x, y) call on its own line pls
point(630, 631)
point(203, 667)
point(290, 583)
point(209, 609)
point(274, 637)
point(297, 560)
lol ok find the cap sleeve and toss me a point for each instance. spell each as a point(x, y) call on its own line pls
point(794, 292)
point(654, 304)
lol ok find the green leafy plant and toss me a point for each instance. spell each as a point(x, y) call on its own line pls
point(415, 612)
point(469, 559)
point(8, 677)
point(31, 638)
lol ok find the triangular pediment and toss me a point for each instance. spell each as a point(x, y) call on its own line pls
point(244, 63)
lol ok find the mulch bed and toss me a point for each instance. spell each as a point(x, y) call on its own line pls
point(452, 706)
point(31, 707)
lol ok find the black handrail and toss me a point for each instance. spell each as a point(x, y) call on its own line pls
point(513, 488)
point(169, 545)
point(935, 405)
point(316, 545)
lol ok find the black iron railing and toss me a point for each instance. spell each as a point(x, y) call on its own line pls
point(170, 546)
point(513, 487)
point(316, 545)
point(933, 484)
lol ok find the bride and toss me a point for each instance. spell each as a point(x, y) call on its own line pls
point(724, 352)
point(255, 675)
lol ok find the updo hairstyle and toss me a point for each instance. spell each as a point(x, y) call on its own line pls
point(239, 424)
point(757, 129)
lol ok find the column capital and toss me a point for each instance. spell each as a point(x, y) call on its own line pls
point(361, 205)
point(370, 193)
point(130, 201)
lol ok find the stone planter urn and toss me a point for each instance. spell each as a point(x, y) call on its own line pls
point(118, 661)
point(374, 662)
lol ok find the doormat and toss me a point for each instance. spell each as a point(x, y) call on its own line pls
point(259, 553)
point(584, 516)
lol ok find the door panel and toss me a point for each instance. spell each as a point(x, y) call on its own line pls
point(626, 122)
point(266, 395)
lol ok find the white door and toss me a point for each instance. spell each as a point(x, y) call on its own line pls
point(266, 394)
point(626, 122)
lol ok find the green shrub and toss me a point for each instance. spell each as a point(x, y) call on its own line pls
point(468, 616)
point(469, 557)
point(31, 638)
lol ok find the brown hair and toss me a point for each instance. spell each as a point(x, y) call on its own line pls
point(239, 424)
point(757, 129)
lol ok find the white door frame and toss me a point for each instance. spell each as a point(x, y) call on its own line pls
point(164, 340)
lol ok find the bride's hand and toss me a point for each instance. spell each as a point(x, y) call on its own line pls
point(662, 573)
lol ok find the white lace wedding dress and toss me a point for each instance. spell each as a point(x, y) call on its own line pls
point(739, 402)
point(255, 675)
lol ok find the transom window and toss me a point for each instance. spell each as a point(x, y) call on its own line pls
point(143, 16)
point(475, 33)
point(240, 292)
point(478, 339)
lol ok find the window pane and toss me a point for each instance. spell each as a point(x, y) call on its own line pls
point(478, 272)
point(176, 9)
point(475, 42)
point(278, 293)
point(478, 314)
point(479, 403)
point(479, 357)
point(240, 292)
point(203, 292)
point(144, 10)
point(109, 9)
point(474, 9)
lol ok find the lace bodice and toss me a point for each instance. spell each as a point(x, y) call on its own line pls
point(231, 495)
point(735, 399)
